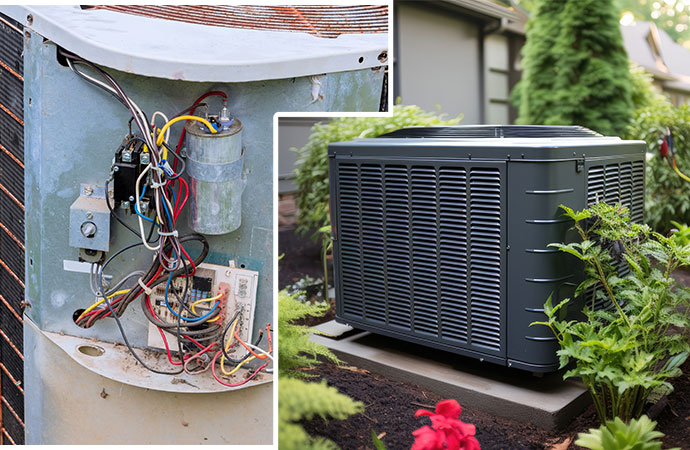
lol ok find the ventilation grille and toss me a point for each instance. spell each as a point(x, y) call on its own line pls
point(420, 250)
point(617, 183)
point(322, 21)
point(490, 131)
point(11, 231)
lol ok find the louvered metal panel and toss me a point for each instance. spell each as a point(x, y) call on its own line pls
point(406, 234)
point(616, 182)
point(11, 231)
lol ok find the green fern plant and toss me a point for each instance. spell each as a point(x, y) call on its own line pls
point(296, 349)
point(639, 434)
point(624, 352)
point(297, 399)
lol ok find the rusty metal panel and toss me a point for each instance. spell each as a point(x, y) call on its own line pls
point(11, 232)
point(328, 21)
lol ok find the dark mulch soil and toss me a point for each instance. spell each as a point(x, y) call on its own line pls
point(302, 257)
point(390, 407)
point(674, 419)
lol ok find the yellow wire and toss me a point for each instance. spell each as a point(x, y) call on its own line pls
point(179, 118)
point(210, 299)
point(92, 307)
point(236, 367)
point(227, 346)
point(680, 174)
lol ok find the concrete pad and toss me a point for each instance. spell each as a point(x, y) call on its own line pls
point(334, 330)
point(546, 401)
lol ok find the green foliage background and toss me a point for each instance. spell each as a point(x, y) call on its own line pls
point(666, 193)
point(312, 162)
point(575, 67)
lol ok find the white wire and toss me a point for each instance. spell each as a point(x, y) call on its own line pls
point(141, 222)
point(105, 86)
point(165, 118)
point(259, 350)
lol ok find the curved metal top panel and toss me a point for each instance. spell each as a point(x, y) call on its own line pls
point(180, 50)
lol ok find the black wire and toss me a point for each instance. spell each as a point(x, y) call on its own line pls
point(123, 223)
point(180, 159)
point(222, 341)
point(122, 330)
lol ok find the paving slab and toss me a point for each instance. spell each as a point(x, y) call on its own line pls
point(546, 401)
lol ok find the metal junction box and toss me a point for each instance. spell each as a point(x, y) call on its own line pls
point(441, 234)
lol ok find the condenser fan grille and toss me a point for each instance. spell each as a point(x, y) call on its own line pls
point(407, 234)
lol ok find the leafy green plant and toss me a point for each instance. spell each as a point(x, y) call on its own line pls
point(681, 233)
point(297, 399)
point(638, 342)
point(312, 161)
point(639, 434)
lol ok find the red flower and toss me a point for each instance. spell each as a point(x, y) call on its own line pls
point(446, 432)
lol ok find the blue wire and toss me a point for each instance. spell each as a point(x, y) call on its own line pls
point(167, 212)
point(167, 286)
point(136, 206)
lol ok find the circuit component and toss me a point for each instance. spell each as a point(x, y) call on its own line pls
point(239, 289)
point(89, 220)
point(130, 160)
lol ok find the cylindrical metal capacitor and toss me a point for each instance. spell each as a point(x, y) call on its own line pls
point(215, 169)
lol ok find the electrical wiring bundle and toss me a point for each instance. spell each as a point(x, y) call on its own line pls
point(200, 314)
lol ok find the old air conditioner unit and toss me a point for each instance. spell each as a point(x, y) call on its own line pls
point(441, 234)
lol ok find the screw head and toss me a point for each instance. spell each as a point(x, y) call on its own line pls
point(131, 198)
point(116, 169)
point(88, 190)
point(89, 215)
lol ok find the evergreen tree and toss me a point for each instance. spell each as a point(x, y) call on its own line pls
point(575, 68)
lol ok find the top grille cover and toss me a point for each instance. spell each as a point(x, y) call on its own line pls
point(442, 238)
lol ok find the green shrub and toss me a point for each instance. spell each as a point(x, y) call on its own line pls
point(666, 196)
point(575, 67)
point(617, 435)
point(312, 161)
point(299, 400)
point(625, 351)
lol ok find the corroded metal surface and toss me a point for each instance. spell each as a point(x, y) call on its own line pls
point(323, 21)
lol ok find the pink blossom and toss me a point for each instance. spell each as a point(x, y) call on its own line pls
point(446, 432)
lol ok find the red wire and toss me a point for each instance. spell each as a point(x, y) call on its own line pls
point(213, 371)
point(268, 334)
point(249, 349)
point(198, 100)
point(88, 324)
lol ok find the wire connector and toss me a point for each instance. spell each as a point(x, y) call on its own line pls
point(166, 168)
point(146, 289)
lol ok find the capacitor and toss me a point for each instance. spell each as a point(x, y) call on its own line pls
point(215, 163)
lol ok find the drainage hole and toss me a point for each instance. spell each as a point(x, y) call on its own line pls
point(91, 350)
